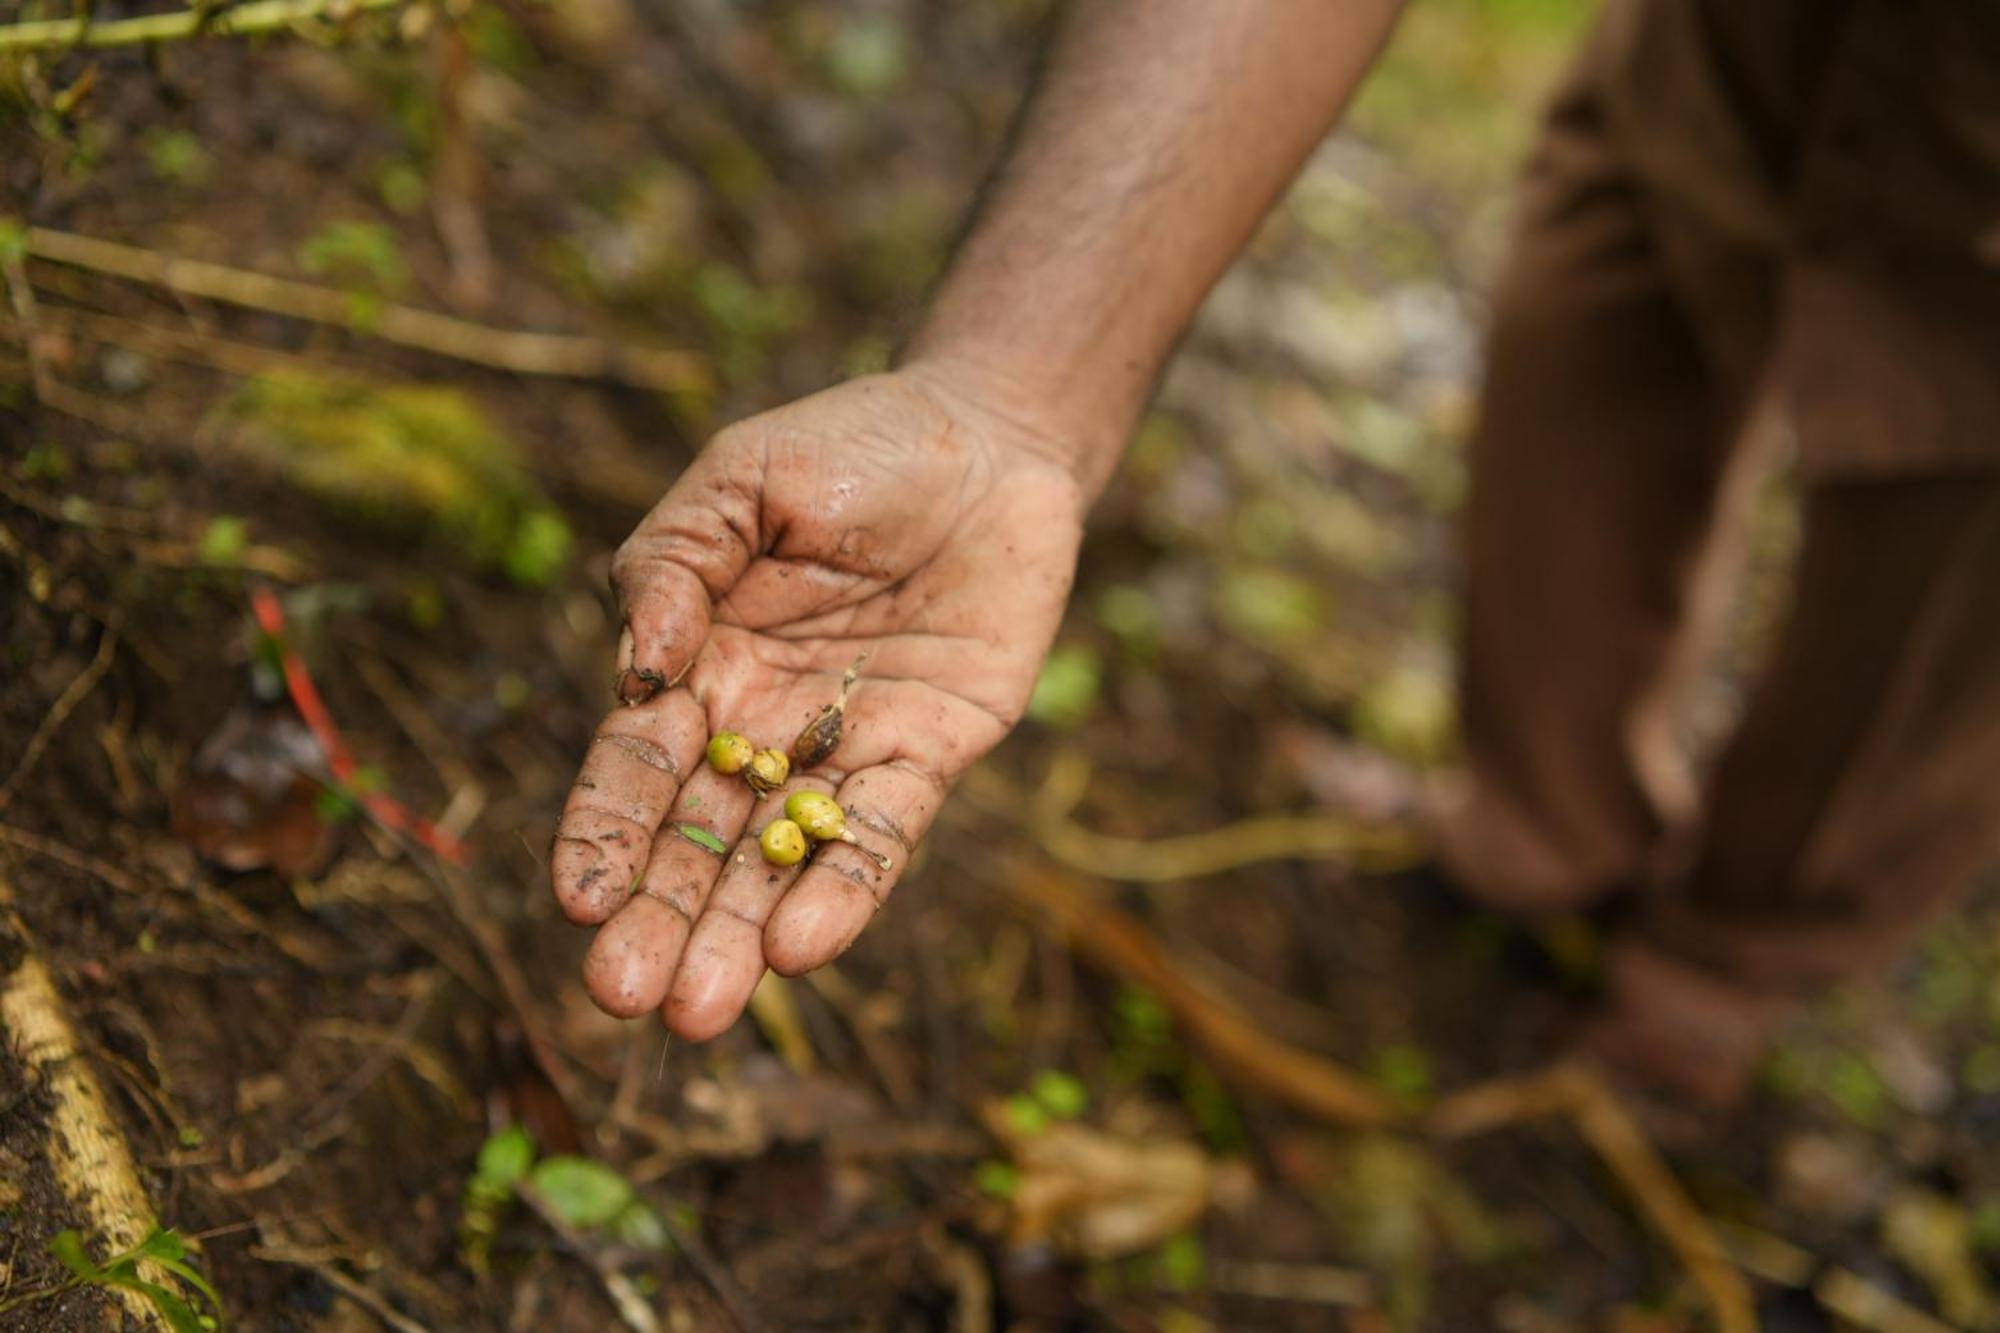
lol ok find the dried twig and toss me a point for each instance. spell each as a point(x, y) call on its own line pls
point(37, 845)
point(972, 1288)
point(21, 297)
point(776, 1011)
point(1856, 1301)
point(196, 20)
point(358, 1292)
point(73, 694)
point(1375, 847)
point(1119, 944)
point(1307, 837)
point(1240, 1047)
point(523, 353)
point(1610, 1129)
point(189, 346)
point(1842, 1292)
point(1589, 1103)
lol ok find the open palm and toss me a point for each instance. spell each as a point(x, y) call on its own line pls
point(888, 519)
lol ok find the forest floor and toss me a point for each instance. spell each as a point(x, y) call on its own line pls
point(320, 1039)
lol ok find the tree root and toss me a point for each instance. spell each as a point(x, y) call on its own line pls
point(87, 1153)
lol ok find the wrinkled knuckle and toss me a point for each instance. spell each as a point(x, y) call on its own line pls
point(624, 574)
point(674, 899)
point(878, 821)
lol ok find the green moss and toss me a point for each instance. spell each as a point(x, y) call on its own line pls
point(421, 460)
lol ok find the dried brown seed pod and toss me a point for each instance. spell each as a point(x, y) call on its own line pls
point(822, 735)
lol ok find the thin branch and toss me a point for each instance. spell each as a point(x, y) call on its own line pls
point(548, 354)
point(1372, 846)
point(1579, 1095)
point(1240, 1048)
point(37, 845)
point(187, 346)
point(1377, 849)
point(198, 20)
point(1236, 1043)
point(73, 694)
point(359, 1292)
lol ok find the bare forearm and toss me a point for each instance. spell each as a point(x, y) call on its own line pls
point(1163, 132)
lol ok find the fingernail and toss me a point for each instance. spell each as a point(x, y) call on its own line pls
point(637, 686)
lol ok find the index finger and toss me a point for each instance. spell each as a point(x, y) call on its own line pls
point(635, 766)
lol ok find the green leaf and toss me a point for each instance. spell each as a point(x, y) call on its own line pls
point(333, 805)
point(363, 255)
point(1182, 1262)
point(1061, 1095)
point(996, 1179)
point(582, 1192)
point(187, 1274)
point(505, 1157)
point(67, 1247)
point(1066, 691)
point(540, 549)
point(701, 837)
point(224, 540)
point(178, 157)
point(641, 1228)
point(1025, 1114)
point(13, 240)
point(1404, 1072)
point(868, 57)
point(162, 1243)
point(179, 1315)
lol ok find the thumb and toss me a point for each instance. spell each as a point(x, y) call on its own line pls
point(666, 621)
point(690, 550)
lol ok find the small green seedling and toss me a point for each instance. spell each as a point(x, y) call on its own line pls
point(580, 1192)
point(162, 1249)
point(504, 1160)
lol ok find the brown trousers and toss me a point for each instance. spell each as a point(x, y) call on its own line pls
point(1612, 471)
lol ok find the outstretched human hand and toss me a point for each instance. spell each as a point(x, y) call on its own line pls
point(894, 516)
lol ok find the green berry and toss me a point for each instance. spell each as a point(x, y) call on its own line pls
point(729, 752)
point(782, 842)
point(819, 815)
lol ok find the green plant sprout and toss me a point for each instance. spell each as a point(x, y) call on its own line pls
point(162, 1248)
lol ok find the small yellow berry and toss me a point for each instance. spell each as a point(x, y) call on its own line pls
point(729, 752)
point(767, 770)
point(782, 842)
point(820, 816)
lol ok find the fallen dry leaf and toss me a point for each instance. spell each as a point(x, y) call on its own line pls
point(1099, 1195)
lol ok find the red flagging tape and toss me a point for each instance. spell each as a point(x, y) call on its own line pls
point(386, 809)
